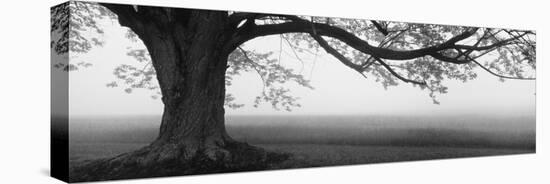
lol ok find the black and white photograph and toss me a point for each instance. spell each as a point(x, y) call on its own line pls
point(152, 91)
point(157, 91)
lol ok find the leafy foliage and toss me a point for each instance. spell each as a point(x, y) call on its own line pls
point(513, 60)
point(60, 26)
point(77, 33)
point(273, 76)
point(507, 54)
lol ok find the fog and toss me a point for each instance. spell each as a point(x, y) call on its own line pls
point(449, 131)
point(338, 90)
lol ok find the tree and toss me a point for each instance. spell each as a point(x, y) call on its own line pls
point(194, 54)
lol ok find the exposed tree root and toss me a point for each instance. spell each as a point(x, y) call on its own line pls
point(168, 160)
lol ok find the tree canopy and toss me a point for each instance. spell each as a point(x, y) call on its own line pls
point(391, 53)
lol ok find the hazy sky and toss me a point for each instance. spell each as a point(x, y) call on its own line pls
point(338, 90)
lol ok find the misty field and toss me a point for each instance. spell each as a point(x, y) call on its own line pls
point(327, 140)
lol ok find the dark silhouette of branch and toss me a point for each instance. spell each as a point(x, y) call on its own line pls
point(394, 73)
point(295, 24)
point(499, 43)
point(254, 66)
point(384, 31)
point(356, 67)
point(317, 30)
point(304, 26)
point(323, 43)
point(499, 75)
point(126, 14)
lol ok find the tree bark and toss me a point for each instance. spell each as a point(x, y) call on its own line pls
point(191, 69)
point(187, 52)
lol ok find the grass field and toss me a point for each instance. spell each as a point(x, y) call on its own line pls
point(327, 140)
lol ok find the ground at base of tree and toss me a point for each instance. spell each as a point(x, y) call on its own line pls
point(279, 156)
point(135, 164)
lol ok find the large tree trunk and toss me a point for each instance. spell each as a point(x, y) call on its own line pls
point(191, 72)
point(190, 62)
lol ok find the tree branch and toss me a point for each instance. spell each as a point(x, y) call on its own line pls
point(356, 67)
point(294, 51)
point(237, 18)
point(304, 26)
point(498, 75)
point(126, 14)
point(323, 43)
point(380, 28)
point(397, 75)
point(255, 66)
point(499, 43)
